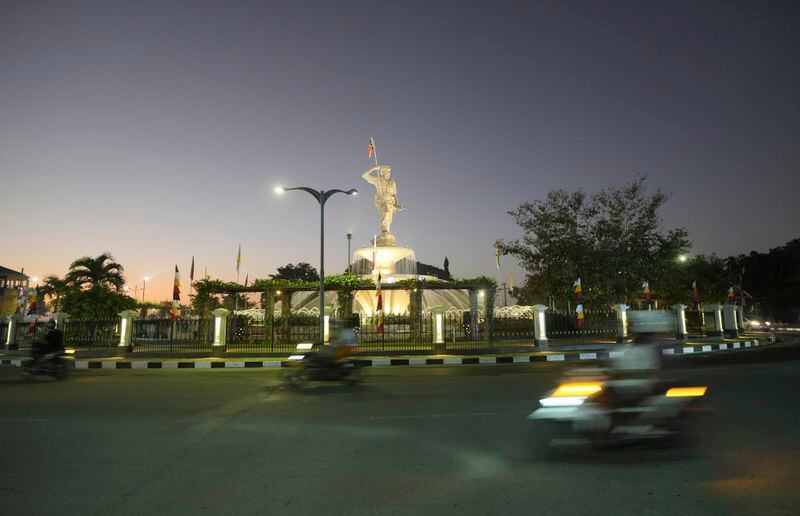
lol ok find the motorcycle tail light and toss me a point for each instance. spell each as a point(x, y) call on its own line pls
point(686, 392)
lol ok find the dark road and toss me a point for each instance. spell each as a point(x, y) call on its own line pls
point(441, 440)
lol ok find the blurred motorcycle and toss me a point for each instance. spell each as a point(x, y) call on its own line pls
point(605, 407)
point(55, 364)
point(332, 363)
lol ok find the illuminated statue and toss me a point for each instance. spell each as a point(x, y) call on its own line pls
point(385, 199)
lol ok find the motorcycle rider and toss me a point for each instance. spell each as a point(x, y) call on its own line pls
point(337, 350)
point(51, 346)
point(635, 373)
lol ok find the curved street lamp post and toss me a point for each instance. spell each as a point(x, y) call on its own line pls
point(322, 197)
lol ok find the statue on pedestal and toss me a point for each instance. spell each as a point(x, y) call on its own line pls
point(385, 200)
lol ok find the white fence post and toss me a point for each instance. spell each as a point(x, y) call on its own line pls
point(680, 319)
point(729, 321)
point(716, 320)
point(220, 329)
point(540, 326)
point(126, 328)
point(61, 319)
point(622, 321)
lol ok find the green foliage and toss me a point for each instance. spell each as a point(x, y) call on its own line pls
point(347, 281)
point(302, 272)
point(205, 295)
point(772, 279)
point(54, 288)
point(96, 303)
point(95, 272)
point(416, 283)
point(612, 240)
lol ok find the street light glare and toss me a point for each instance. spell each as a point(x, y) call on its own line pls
point(146, 278)
point(279, 189)
point(352, 192)
point(682, 258)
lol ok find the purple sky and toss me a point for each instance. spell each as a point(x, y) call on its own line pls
point(157, 130)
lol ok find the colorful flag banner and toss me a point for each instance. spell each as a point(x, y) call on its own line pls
point(579, 312)
point(511, 282)
point(371, 148)
point(731, 296)
point(379, 307)
point(176, 296)
point(646, 290)
point(32, 310)
point(695, 295)
point(497, 257)
point(578, 290)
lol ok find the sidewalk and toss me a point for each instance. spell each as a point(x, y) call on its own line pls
point(167, 362)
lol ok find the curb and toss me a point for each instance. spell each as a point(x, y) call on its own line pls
point(395, 362)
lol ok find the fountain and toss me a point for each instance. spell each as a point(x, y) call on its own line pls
point(385, 258)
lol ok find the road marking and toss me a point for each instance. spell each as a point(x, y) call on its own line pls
point(435, 416)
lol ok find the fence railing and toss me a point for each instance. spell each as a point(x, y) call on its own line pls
point(183, 335)
point(91, 334)
point(695, 323)
point(599, 327)
point(401, 333)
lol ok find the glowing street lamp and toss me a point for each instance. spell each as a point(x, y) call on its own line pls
point(322, 197)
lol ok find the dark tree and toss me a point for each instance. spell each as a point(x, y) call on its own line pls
point(612, 240)
point(300, 272)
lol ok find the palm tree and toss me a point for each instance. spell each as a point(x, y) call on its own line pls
point(54, 288)
point(100, 271)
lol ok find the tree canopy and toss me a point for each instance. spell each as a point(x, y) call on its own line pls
point(94, 272)
point(612, 240)
point(300, 272)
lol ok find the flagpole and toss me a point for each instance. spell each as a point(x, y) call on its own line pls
point(375, 155)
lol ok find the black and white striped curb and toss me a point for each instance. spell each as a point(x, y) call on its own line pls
point(420, 361)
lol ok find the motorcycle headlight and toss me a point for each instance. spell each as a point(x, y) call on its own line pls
point(563, 401)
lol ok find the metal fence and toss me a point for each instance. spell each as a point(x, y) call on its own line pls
point(3, 332)
point(91, 334)
point(26, 334)
point(599, 327)
point(400, 333)
point(695, 323)
point(183, 335)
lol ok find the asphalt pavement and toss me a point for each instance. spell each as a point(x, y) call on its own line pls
point(412, 440)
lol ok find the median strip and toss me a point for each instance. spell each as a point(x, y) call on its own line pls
point(518, 358)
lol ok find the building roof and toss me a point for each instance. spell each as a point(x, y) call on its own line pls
point(11, 274)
